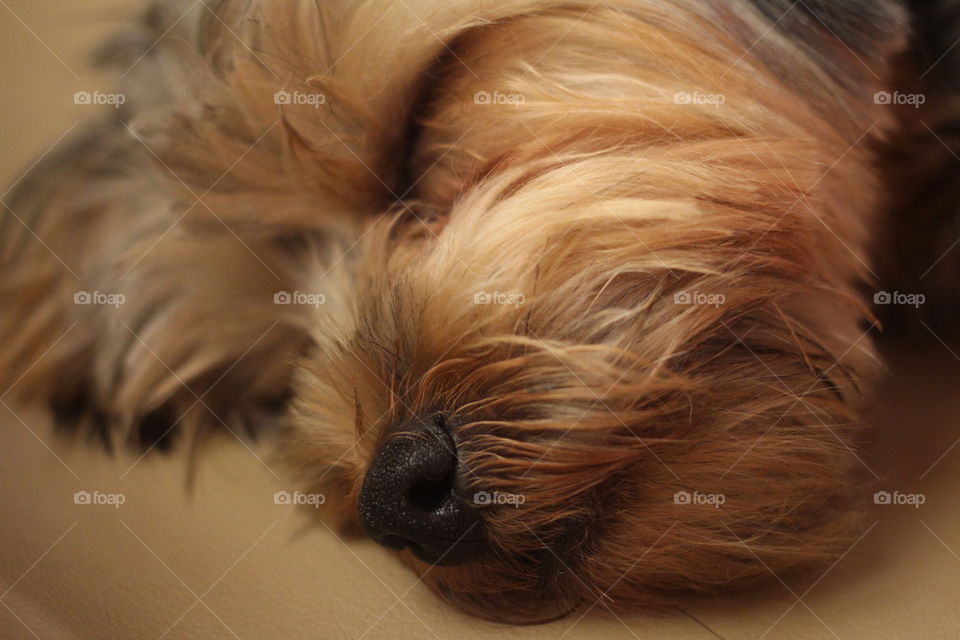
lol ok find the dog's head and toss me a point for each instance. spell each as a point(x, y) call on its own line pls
point(618, 359)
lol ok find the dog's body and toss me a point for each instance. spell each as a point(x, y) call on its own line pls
point(617, 248)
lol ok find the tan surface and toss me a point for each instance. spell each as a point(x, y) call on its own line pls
point(261, 570)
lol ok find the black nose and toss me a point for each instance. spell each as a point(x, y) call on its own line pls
point(409, 497)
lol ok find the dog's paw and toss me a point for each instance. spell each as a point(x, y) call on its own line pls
point(77, 413)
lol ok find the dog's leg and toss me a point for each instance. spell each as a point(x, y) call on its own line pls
point(119, 313)
point(56, 225)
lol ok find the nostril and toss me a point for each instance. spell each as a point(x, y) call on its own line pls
point(429, 495)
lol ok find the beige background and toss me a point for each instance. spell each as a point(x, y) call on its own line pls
point(224, 561)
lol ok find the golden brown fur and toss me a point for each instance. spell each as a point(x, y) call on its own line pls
point(598, 199)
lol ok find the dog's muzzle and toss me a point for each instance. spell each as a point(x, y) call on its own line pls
point(409, 497)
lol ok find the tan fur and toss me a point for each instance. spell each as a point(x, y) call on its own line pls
point(598, 199)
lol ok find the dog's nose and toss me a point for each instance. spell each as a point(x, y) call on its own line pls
point(409, 497)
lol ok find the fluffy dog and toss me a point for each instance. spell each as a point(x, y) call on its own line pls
point(562, 299)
